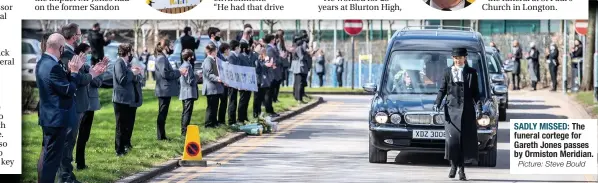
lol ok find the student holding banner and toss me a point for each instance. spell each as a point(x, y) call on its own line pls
point(230, 91)
point(213, 86)
point(246, 58)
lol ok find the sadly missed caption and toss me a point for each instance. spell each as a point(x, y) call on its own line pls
point(543, 146)
point(79, 5)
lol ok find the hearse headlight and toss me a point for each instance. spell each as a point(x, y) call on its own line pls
point(395, 118)
point(439, 119)
point(381, 117)
point(497, 77)
point(484, 121)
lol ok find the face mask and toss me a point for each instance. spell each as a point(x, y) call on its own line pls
point(61, 51)
point(130, 58)
point(169, 51)
point(217, 38)
point(552, 48)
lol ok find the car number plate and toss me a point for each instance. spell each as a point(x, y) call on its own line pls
point(428, 134)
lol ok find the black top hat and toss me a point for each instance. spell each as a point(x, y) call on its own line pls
point(459, 52)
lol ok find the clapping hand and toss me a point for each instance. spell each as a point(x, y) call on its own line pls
point(99, 68)
point(184, 71)
point(76, 63)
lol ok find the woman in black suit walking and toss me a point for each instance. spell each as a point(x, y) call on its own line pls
point(460, 86)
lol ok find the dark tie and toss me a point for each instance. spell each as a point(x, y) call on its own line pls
point(446, 9)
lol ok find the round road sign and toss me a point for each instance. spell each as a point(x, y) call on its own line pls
point(193, 149)
point(353, 27)
point(581, 27)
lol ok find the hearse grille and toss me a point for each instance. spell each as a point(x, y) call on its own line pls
point(425, 119)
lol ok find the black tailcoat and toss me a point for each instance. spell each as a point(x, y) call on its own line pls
point(460, 114)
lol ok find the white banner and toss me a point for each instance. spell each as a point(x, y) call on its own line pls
point(239, 77)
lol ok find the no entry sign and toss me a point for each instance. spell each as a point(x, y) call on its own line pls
point(353, 27)
point(581, 27)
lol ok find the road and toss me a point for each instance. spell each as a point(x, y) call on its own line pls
point(330, 144)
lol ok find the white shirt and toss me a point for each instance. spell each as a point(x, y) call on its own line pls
point(459, 6)
point(457, 74)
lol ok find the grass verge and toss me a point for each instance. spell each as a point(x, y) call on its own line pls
point(325, 89)
point(104, 165)
point(586, 98)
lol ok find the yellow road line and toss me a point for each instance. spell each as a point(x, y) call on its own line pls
point(233, 149)
point(255, 146)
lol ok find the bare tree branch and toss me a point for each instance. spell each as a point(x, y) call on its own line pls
point(271, 24)
point(199, 25)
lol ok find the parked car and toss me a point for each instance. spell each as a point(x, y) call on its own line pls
point(31, 51)
point(200, 54)
point(403, 106)
point(500, 81)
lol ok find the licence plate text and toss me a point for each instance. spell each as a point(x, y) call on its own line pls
point(428, 134)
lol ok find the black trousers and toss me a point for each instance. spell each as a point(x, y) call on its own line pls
point(211, 119)
point(222, 106)
point(577, 75)
point(125, 122)
point(186, 115)
point(261, 97)
point(66, 166)
point(553, 75)
point(163, 105)
point(516, 80)
point(84, 131)
point(51, 154)
point(339, 79)
point(285, 76)
point(299, 86)
point(232, 105)
point(321, 79)
point(244, 97)
point(274, 90)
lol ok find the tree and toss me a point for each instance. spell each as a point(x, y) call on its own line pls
point(271, 24)
point(390, 24)
point(156, 31)
point(588, 64)
point(45, 25)
point(137, 26)
point(199, 25)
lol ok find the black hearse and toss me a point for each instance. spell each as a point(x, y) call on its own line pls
point(401, 116)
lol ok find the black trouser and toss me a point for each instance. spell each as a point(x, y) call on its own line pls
point(339, 79)
point(262, 97)
point(125, 121)
point(222, 106)
point(163, 105)
point(51, 154)
point(577, 74)
point(244, 97)
point(84, 131)
point(274, 90)
point(321, 78)
point(66, 166)
point(211, 119)
point(553, 75)
point(299, 87)
point(186, 115)
point(516, 80)
point(285, 76)
point(232, 105)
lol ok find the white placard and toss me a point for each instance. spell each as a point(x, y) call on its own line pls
point(239, 77)
point(553, 146)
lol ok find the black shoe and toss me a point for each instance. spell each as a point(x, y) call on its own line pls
point(452, 172)
point(82, 167)
point(274, 115)
point(462, 174)
point(120, 154)
point(163, 138)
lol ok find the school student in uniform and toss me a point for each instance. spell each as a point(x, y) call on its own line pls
point(213, 87)
point(189, 90)
point(247, 58)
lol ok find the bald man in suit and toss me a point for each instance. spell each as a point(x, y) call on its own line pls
point(449, 5)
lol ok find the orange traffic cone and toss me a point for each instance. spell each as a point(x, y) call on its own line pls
point(192, 150)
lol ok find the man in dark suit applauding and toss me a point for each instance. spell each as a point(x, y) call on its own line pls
point(56, 94)
point(71, 33)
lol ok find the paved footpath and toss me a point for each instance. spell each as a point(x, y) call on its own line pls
point(330, 144)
